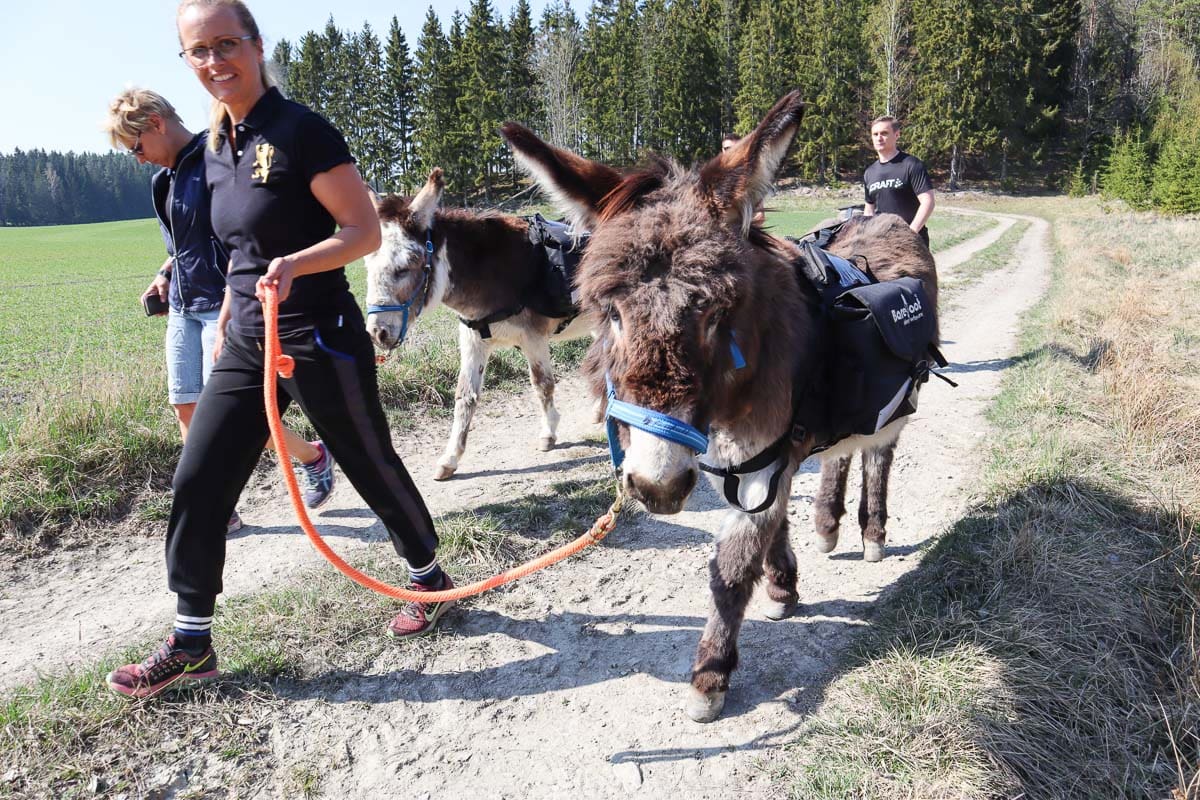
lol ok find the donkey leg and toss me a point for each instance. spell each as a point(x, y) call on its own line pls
point(541, 377)
point(831, 501)
point(779, 566)
point(872, 504)
point(473, 354)
point(733, 571)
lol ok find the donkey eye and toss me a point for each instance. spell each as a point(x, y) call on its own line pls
point(614, 318)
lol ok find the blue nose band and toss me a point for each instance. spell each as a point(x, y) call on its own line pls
point(653, 422)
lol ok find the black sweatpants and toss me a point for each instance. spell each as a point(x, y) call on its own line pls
point(335, 384)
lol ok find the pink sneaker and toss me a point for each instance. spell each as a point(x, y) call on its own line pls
point(418, 618)
point(168, 666)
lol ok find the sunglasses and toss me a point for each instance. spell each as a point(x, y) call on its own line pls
point(136, 150)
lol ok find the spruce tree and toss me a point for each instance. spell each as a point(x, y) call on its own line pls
point(333, 97)
point(1176, 175)
point(376, 145)
point(1127, 176)
point(434, 98)
point(520, 102)
point(398, 98)
point(828, 70)
point(460, 150)
point(480, 104)
point(306, 75)
point(961, 79)
point(688, 69)
point(281, 62)
point(767, 66)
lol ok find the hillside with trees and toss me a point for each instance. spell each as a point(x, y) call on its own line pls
point(41, 188)
point(1062, 94)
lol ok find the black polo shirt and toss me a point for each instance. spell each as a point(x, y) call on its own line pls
point(263, 208)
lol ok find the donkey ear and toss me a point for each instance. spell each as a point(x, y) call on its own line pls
point(426, 201)
point(574, 184)
point(740, 178)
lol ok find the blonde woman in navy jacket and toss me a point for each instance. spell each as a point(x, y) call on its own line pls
point(191, 282)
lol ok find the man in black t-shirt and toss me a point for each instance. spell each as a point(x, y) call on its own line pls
point(897, 183)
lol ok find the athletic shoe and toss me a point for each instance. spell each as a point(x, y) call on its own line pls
point(317, 477)
point(170, 665)
point(418, 618)
point(235, 524)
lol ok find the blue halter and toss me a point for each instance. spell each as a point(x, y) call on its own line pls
point(422, 292)
point(654, 422)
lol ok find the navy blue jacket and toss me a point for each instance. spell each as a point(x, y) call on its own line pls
point(181, 203)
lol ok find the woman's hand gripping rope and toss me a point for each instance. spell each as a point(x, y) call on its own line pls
point(277, 361)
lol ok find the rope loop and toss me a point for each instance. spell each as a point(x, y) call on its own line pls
point(286, 366)
point(275, 360)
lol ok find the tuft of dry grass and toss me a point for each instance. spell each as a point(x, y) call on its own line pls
point(1048, 645)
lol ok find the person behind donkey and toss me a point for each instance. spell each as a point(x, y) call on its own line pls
point(290, 208)
point(191, 282)
point(897, 182)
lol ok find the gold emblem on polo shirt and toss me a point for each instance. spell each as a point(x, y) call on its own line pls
point(263, 154)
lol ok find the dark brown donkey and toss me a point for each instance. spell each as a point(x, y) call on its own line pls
point(674, 275)
point(479, 263)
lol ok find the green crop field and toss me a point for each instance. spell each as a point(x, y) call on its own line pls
point(70, 309)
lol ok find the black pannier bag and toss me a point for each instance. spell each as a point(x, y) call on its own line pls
point(883, 335)
point(554, 295)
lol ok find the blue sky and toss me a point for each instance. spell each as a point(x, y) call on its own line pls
point(66, 60)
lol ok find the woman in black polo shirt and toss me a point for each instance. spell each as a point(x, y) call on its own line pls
point(290, 208)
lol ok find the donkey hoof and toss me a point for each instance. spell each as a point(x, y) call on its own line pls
point(872, 551)
point(443, 472)
point(701, 707)
point(825, 542)
point(546, 443)
point(779, 609)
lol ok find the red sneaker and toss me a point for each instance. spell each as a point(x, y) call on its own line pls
point(418, 618)
point(170, 665)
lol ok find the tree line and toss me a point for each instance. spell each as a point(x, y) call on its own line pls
point(1079, 95)
point(52, 188)
point(1044, 91)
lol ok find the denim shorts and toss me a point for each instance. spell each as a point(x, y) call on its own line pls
point(190, 339)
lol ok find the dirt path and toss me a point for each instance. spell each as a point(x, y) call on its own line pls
point(948, 260)
point(571, 682)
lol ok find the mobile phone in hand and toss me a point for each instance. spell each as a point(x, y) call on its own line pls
point(154, 305)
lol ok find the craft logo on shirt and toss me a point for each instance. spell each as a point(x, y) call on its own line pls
point(887, 183)
point(263, 154)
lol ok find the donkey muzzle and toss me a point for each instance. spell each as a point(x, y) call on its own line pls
point(660, 496)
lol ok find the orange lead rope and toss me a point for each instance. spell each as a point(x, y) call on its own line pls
point(276, 361)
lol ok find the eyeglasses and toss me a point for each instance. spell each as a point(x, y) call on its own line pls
point(136, 150)
point(224, 47)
